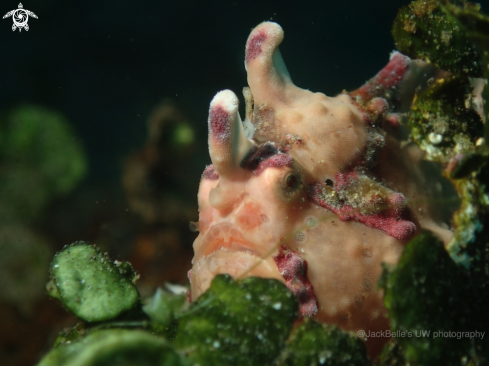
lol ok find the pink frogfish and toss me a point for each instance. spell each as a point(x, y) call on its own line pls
point(314, 191)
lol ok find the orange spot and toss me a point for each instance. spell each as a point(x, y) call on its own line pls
point(249, 216)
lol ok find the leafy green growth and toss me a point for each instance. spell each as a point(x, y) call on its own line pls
point(477, 29)
point(426, 30)
point(70, 336)
point(90, 285)
point(238, 323)
point(244, 323)
point(392, 355)
point(440, 122)
point(40, 157)
point(163, 308)
point(314, 344)
point(115, 347)
point(427, 291)
point(449, 131)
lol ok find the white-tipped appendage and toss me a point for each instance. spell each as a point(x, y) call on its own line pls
point(228, 144)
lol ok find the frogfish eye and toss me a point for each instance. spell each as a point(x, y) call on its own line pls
point(291, 181)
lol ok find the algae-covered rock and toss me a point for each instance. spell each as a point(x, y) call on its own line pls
point(90, 285)
point(238, 323)
point(430, 304)
point(115, 347)
point(446, 123)
point(441, 123)
point(314, 344)
point(477, 28)
point(426, 30)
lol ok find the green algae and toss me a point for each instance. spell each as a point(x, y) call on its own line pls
point(441, 123)
point(242, 322)
point(427, 292)
point(239, 323)
point(445, 125)
point(314, 344)
point(90, 285)
point(477, 29)
point(115, 347)
point(426, 30)
point(163, 309)
point(40, 157)
point(72, 335)
point(392, 355)
point(40, 161)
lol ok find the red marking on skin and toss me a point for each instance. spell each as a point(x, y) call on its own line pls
point(377, 109)
point(291, 139)
point(390, 220)
point(294, 271)
point(253, 47)
point(393, 120)
point(397, 203)
point(275, 161)
point(210, 173)
point(388, 78)
point(393, 72)
point(344, 179)
point(399, 229)
point(220, 124)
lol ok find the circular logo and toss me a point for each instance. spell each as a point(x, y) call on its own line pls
point(20, 18)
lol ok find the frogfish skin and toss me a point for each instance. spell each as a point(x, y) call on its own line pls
point(314, 191)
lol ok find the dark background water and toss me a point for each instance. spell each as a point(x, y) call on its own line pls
point(105, 65)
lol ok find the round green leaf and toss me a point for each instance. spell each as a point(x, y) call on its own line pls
point(90, 285)
point(115, 347)
point(241, 323)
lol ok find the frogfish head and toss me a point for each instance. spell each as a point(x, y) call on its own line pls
point(306, 190)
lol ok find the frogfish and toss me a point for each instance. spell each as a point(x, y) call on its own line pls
point(314, 191)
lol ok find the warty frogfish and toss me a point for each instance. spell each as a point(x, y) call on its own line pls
point(314, 191)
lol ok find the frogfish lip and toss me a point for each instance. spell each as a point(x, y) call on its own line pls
point(224, 236)
point(225, 250)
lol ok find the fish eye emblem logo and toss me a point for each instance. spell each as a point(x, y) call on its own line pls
point(20, 17)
